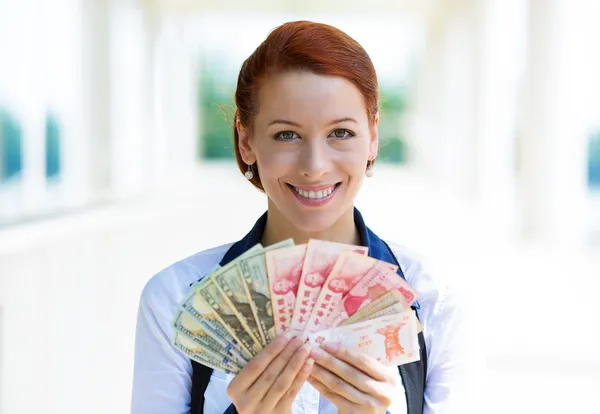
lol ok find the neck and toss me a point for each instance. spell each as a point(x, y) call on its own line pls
point(279, 228)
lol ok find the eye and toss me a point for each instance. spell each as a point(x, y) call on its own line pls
point(342, 134)
point(286, 135)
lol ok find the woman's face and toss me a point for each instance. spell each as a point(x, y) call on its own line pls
point(311, 141)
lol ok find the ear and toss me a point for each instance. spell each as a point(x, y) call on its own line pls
point(244, 144)
point(374, 143)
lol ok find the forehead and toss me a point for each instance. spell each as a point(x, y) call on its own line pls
point(305, 97)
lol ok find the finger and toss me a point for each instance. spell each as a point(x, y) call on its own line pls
point(342, 404)
point(282, 383)
point(264, 382)
point(343, 370)
point(367, 364)
point(339, 386)
point(248, 375)
point(297, 384)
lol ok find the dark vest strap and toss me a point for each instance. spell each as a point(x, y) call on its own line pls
point(413, 377)
point(200, 379)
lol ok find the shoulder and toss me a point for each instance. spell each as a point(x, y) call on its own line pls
point(158, 365)
point(440, 305)
point(169, 286)
point(434, 290)
point(446, 328)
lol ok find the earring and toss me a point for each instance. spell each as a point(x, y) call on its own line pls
point(249, 174)
point(369, 173)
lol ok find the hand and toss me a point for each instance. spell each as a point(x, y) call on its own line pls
point(270, 381)
point(354, 382)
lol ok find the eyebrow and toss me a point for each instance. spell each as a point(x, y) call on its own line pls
point(335, 121)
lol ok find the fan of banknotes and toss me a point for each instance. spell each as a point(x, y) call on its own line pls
point(320, 291)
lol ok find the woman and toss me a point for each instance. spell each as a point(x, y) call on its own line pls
point(306, 135)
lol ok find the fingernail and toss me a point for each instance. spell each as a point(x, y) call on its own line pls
point(331, 346)
point(308, 365)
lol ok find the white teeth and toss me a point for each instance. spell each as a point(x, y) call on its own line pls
point(315, 194)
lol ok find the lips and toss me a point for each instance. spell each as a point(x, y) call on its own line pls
point(315, 196)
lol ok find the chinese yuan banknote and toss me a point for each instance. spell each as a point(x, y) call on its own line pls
point(284, 268)
point(392, 340)
point(380, 280)
point(389, 299)
point(318, 263)
point(349, 268)
point(393, 310)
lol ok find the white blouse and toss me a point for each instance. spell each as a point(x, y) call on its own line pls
point(163, 375)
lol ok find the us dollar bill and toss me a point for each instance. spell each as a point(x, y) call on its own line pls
point(204, 356)
point(253, 271)
point(228, 317)
point(194, 305)
point(193, 329)
point(229, 283)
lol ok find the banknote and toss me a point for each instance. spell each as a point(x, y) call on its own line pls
point(389, 299)
point(284, 268)
point(230, 285)
point(203, 355)
point(228, 317)
point(253, 270)
point(378, 282)
point(320, 288)
point(197, 307)
point(392, 310)
point(318, 263)
point(348, 269)
point(392, 340)
point(190, 327)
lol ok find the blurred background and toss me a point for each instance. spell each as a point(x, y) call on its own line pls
point(116, 160)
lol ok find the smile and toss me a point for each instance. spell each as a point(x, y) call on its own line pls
point(314, 196)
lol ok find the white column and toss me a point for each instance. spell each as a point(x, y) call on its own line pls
point(177, 89)
point(25, 99)
point(424, 128)
point(499, 66)
point(130, 90)
point(96, 96)
point(444, 138)
point(553, 143)
point(66, 97)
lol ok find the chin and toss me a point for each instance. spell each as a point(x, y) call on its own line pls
point(313, 223)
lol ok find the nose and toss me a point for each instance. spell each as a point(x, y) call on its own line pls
point(314, 161)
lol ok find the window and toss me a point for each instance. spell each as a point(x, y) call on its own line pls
point(594, 160)
point(11, 153)
point(52, 147)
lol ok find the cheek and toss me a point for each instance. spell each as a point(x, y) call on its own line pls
point(353, 163)
point(274, 165)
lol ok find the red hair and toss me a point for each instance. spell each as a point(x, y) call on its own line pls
point(302, 46)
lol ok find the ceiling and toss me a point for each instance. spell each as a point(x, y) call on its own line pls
point(407, 8)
